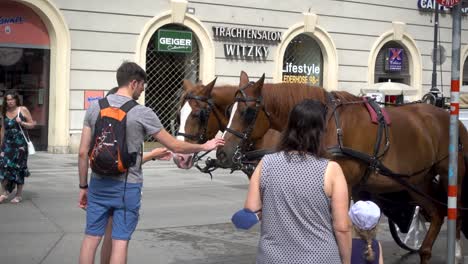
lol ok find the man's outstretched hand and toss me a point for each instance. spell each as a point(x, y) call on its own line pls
point(160, 154)
point(213, 143)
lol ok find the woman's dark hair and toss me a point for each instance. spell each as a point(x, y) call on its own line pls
point(306, 125)
point(112, 91)
point(4, 105)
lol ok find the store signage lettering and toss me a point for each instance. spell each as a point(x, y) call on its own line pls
point(240, 34)
point(11, 20)
point(174, 41)
point(395, 59)
point(307, 69)
point(429, 5)
point(92, 95)
point(247, 33)
point(310, 72)
point(245, 51)
point(449, 3)
point(314, 80)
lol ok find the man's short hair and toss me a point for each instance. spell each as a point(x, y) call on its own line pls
point(128, 72)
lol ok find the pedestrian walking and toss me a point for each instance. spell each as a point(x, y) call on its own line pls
point(365, 216)
point(120, 194)
point(14, 148)
point(302, 197)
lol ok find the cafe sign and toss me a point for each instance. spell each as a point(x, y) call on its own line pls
point(445, 7)
point(175, 41)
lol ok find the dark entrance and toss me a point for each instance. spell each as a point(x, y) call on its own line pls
point(166, 71)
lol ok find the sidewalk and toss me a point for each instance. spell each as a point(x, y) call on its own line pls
point(185, 218)
point(47, 227)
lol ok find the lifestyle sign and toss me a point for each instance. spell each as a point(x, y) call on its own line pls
point(246, 51)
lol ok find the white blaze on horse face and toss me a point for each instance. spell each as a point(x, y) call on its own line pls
point(184, 114)
point(233, 112)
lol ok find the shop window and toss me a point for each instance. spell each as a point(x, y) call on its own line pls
point(303, 62)
point(26, 71)
point(392, 64)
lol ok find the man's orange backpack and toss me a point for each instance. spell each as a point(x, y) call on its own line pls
point(109, 155)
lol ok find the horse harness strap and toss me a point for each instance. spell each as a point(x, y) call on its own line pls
point(375, 164)
point(201, 138)
point(373, 161)
point(245, 135)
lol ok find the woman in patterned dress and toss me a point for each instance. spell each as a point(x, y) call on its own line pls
point(14, 149)
point(303, 197)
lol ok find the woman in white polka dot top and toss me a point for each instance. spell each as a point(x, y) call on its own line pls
point(303, 197)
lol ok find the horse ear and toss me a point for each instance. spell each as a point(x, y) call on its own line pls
point(187, 85)
point(210, 86)
point(244, 79)
point(259, 84)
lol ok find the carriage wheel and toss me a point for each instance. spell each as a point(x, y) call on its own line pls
point(412, 240)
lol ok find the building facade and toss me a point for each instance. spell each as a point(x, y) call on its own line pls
point(61, 54)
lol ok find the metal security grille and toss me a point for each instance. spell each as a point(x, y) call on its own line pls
point(166, 72)
point(303, 61)
point(382, 75)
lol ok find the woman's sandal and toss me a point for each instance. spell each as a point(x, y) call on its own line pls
point(16, 200)
point(3, 197)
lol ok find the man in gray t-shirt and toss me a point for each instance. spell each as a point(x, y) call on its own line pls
point(141, 122)
point(113, 195)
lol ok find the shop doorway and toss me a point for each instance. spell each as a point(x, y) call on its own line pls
point(303, 62)
point(25, 65)
point(170, 60)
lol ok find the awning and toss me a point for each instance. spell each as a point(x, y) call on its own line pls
point(20, 27)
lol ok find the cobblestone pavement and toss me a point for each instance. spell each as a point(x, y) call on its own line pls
point(184, 219)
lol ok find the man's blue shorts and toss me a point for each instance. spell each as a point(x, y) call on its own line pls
point(106, 198)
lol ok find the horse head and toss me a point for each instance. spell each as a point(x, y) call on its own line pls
point(197, 123)
point(248, 122)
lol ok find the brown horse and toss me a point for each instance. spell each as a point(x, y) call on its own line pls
point(202, 113)
point(418, 139)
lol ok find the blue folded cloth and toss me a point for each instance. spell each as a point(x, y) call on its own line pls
point(245, 218)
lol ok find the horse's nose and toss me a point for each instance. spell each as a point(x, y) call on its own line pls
point(221, 156)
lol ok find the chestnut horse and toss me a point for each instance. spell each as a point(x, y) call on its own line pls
point(416, 149)
point(202, 113)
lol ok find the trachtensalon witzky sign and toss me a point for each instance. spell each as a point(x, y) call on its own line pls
point(246, 51)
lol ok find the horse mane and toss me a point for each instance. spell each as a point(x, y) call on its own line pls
point(346, 97)
point(281, 97)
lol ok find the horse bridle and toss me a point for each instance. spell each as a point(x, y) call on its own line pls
point(201, 137)
point(245, 135)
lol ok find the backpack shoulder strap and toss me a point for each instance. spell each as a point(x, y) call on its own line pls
point(103, 103)
point(128, 105)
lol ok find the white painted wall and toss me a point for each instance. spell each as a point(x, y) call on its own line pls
point(105, 32)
